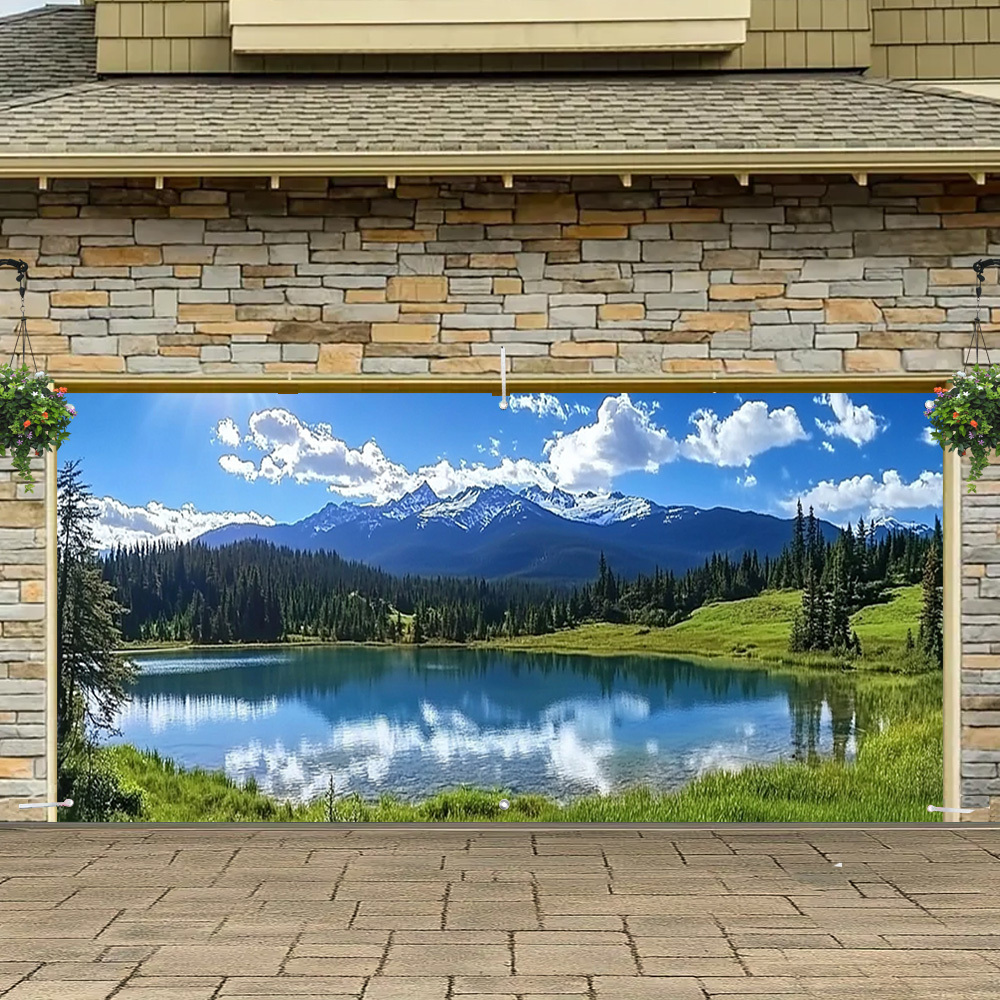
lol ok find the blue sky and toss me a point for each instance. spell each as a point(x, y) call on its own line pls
point(18, 6)
point(285, 456)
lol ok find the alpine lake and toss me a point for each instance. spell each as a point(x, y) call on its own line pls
point(412, 722)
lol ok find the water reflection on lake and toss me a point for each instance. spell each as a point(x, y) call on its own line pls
point(413, 722)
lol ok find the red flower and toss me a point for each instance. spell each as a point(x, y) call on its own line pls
point(45, 416)
point(974, 424)
point(956, 416)
point(938, 389)
point(27, 423)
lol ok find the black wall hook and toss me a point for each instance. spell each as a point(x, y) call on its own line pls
point(22, 328)
point(977, 334)
point(22, 273)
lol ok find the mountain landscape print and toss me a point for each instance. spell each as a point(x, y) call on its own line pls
point(423, 608)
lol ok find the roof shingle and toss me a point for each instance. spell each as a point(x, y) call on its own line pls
point(52, 102)
point(427, 114)
point(45, 49)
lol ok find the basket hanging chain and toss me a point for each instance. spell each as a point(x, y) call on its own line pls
point(977, 331)
point(21, 329)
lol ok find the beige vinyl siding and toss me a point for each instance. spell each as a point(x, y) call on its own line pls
point(936, 39)
point(193, 36)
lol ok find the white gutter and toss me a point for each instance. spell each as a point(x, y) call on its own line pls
point(977, 162)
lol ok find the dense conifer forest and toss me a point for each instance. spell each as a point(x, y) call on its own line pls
point(252, 591)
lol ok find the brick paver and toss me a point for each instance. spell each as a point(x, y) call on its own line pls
point(430, 914)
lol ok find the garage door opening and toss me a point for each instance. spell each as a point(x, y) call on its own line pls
point(420, 608)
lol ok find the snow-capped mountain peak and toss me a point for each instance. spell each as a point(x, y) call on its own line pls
point(408, 504)
point(332, 516)
point(892, 524)
point(476, 507)
point(555, 500)
point(590, 507)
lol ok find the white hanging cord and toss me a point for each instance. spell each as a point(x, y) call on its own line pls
point(944, 809)
point(46, 805)
point(503, 378)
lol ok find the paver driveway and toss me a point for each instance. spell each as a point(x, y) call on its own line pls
point(444, 913)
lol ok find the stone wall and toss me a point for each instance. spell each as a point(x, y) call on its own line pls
point(22, 643)
point(981, 642)
point(578, 277)
point(582, 277)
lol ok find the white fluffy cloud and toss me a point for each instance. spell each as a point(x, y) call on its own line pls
point(622, 439)
point(543, 404)
point(925, 436)
point(118, 524)
point(745, 433)
point(237, 466)
point(748, 481)
point(877, 497)
point(308, 453)
point(227, 432)
point(826, 446)
point(856, 423)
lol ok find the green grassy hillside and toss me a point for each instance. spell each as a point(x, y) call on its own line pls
point(753, 630)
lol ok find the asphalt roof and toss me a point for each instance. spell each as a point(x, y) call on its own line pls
point(45, 49)
point(51, 101)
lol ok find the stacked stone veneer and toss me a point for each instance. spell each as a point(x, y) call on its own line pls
point(981, 643)
point(22, 643)
point(582, 277)
point(810, 275)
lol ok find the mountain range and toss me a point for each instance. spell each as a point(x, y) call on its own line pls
point(551, 536)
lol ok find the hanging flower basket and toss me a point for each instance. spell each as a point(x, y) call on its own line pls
point(33, 417)
point(966, 417)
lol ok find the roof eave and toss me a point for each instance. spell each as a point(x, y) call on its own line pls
point(859, 161)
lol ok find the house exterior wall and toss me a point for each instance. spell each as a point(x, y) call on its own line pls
point(980, 698)
point(935, 39)
point(23, 694)
point(193, 36)
point(574, 277)
point(921, 39)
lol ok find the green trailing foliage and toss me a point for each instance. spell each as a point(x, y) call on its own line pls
point(33, 418)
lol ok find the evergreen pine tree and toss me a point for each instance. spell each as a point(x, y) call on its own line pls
point(797, 639)
point(930, 635)
point(93, 678)
point(798, 553)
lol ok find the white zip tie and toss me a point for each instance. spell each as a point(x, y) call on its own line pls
point(503, 378)
point(944, 809)
point(46, 805)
